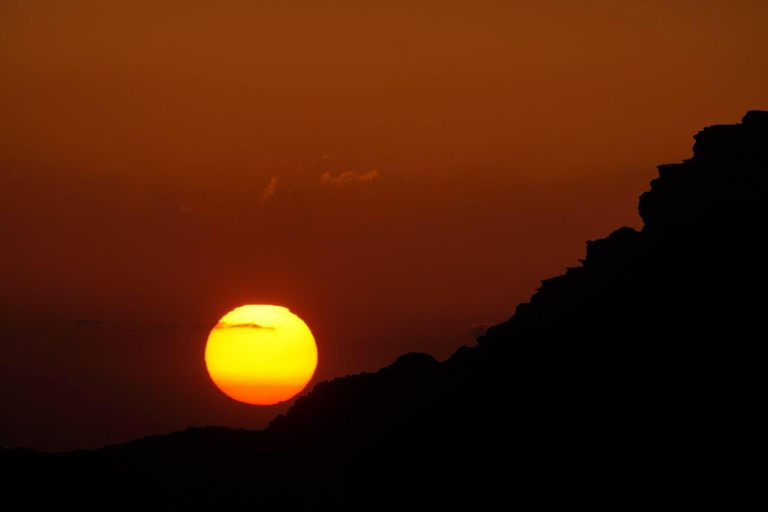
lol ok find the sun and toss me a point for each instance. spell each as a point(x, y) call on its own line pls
point(261, 354)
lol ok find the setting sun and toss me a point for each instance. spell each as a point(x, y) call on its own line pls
point(260, 354)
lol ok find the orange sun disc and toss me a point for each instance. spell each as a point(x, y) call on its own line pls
point(261, 354)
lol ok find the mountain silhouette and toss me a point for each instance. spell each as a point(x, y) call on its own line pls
point(635, 380)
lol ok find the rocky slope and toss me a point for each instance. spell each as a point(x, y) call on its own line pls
point(637, 379)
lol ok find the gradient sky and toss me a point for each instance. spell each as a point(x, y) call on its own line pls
point(399, 174)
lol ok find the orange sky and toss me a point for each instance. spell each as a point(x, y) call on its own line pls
point(164, 162)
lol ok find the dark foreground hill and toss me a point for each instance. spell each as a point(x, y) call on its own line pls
point(636, 380)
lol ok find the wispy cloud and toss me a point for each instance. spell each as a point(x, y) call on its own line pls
point(85, 322)
point(348, 177)
point(247, 325)
point(269, 191)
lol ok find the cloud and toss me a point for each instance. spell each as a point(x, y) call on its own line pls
point(143, 326)
point(268, 191)
point(86, 322)
point(348, 177)
point(248, 325)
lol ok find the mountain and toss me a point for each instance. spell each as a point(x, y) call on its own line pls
point(635, 380)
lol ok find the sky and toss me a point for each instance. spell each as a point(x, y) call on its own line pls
point(399, 174)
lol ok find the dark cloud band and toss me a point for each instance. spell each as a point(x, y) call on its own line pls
point(248, 325)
